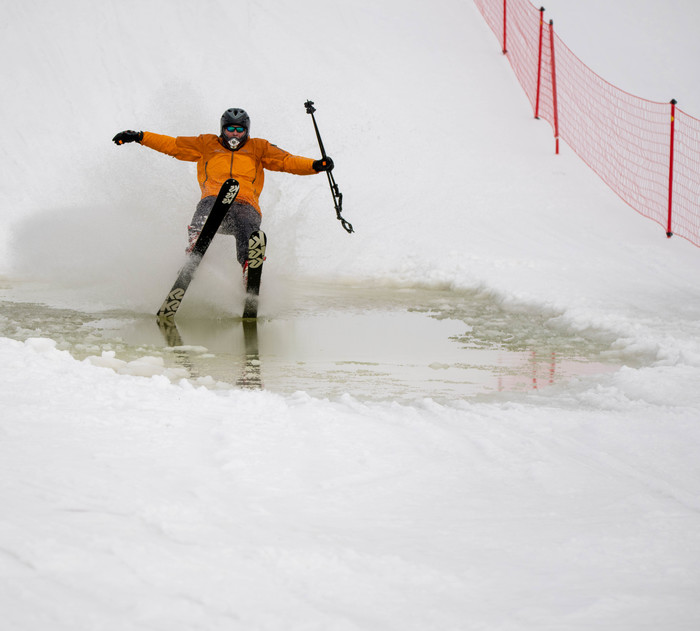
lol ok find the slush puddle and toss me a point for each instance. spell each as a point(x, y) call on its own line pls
point(327, 340)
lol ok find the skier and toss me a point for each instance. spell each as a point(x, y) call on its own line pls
point(233, 154)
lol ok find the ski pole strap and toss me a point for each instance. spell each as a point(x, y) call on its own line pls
point(335, 191)
point(338, 203)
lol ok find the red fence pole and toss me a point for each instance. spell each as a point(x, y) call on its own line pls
point(539, 65)
point(505, 25)
point(554, 85)
point(669, 232)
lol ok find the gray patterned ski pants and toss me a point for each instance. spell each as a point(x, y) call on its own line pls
point(241, 221)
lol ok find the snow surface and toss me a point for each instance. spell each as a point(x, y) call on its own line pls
point(137, 503)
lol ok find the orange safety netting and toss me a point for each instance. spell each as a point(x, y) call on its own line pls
point(647, 152)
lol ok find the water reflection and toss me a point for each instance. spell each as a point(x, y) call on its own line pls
point(375, 355)
point(250, 377)
point(183, 357)
point(373, 343)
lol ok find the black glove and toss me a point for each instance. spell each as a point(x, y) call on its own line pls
point(324, 164)
point(128, 136)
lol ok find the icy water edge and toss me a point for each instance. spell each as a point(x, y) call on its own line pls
point(374, 343)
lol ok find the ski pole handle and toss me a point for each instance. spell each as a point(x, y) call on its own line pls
point(310, 109)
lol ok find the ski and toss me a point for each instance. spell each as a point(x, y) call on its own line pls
point(225, 198)
point(253, 273)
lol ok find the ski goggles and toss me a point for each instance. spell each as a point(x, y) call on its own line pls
point(235, 128)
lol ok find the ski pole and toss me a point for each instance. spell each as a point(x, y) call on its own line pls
point(335, 191)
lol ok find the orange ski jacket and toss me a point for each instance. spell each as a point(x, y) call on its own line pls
point(216, 164)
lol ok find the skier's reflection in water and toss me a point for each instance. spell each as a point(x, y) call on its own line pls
point(251, 373)
point(251, 379)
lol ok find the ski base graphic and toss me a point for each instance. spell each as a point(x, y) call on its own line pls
point(256, 256)
point(226, 197)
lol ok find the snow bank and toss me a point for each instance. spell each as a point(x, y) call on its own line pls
point(134, 502)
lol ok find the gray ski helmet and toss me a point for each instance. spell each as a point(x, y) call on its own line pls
point(235, 116)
